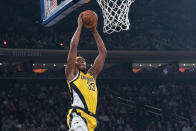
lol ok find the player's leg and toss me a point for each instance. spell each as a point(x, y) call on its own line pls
point(77, 123)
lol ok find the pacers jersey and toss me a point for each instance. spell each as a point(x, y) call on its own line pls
point(84, 92)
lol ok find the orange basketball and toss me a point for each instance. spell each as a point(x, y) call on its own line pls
point(89, 19)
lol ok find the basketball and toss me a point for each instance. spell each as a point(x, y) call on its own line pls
point(89, 19)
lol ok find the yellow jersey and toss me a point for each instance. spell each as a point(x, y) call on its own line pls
point(84, 98)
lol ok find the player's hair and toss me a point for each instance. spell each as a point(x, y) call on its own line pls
point(79, 57)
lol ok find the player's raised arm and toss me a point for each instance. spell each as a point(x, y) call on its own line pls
point(69, 70)
point(100, 59)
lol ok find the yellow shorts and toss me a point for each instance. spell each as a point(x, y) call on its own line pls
point(89, 120)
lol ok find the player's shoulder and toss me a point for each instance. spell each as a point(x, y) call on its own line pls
point(73, 77)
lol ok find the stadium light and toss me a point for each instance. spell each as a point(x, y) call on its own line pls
point(61, 44)
point(5, 42)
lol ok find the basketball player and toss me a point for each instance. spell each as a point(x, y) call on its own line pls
point(82, 83)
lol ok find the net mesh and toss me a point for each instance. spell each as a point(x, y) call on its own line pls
point(115, 14)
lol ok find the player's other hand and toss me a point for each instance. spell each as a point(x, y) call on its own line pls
point(80, 23)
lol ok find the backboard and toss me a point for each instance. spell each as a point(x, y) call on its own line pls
point(53, 11)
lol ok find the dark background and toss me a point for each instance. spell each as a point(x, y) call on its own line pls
point(155, 25)
point(149, 87)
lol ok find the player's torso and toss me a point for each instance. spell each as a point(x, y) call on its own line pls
point(84, 91)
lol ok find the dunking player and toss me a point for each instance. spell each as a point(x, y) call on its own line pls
point(82, 83)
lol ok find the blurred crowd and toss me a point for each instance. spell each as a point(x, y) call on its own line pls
point(123, 105)
point(155, 25)
point(142, 105)
point(35, 107)
point(149, 106)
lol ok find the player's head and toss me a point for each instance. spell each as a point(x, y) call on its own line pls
point(80, 63)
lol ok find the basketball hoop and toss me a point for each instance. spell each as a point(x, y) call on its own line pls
point(115, 14)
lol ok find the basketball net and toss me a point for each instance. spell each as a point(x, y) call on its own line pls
point(115, 14)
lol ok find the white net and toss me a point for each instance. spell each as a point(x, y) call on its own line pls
point(115, 14)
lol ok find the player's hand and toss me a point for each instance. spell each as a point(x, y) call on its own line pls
point(80, 22)
point(93, 29)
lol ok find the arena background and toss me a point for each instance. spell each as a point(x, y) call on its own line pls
point(148, 81)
